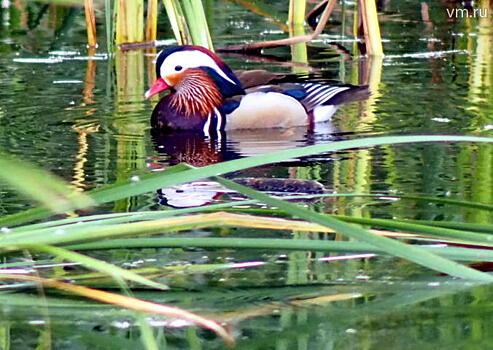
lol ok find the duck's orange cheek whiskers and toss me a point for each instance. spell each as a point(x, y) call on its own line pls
point(158, 86)
point(173, 79)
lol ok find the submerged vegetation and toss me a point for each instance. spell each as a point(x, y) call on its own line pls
point(90, 242)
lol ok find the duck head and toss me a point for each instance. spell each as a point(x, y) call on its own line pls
point(199, 78)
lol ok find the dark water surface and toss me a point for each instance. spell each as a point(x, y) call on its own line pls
point(83, 117)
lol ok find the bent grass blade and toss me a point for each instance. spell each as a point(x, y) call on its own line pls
point(129, 303)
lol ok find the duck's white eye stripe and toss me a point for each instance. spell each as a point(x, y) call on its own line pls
point(190, 59)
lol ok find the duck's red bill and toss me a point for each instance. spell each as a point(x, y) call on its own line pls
point(158, 86)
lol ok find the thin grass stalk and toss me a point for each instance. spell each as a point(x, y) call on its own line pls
point(475, 227)
point(155, 181)
point(197, 23)
point(95, 264)
point(278, 244)
point(174, 12)
point(342, 59)
point(296, 13)
point(114, 20)
point(90, 23)
point(415, 227)
point(296, 26)
point(147, 337)
point(151, 23)
point(108, 25)
point(75, 234)
point(114, 218)
point(199, 12)
point(120, 19)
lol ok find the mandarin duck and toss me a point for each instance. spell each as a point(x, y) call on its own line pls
point(206, 95)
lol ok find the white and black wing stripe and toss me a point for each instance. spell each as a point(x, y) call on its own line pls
point(320, 94)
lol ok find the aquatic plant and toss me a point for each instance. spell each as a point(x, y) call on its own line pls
point(64, 237)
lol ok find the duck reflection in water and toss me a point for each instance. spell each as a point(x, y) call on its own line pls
point(196, 149)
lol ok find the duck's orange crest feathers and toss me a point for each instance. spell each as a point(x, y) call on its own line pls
point(196, 93)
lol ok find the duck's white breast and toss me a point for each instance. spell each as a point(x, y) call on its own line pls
point(267, 110)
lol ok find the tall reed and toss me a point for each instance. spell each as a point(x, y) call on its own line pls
point(90, 22)
point(129, 21)
point(151, 23)
point(188, 21)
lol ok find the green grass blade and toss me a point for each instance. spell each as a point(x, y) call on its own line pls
point(95, 264)
point(200, 22)
point(41, 186)
point(113, 218)
point(147, 337)
point(450, 201)
point(108, 26)
point(393, 247)
point(486, 228)
point(76, 234)
point(278, 244)
point(416, 227)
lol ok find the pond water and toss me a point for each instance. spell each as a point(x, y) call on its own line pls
point(82, 115)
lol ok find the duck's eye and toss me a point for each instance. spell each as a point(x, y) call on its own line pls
point(178, 68)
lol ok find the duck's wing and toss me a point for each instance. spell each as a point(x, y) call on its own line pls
point(318, 94)
point(258, 77)
point(310, 95)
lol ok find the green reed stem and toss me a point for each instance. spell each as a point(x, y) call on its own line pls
point(297, 10)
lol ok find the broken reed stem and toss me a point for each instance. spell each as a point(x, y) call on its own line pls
point(90, 23)
point(289, 41)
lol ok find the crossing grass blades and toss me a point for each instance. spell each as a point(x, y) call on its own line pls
point(77, 235)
